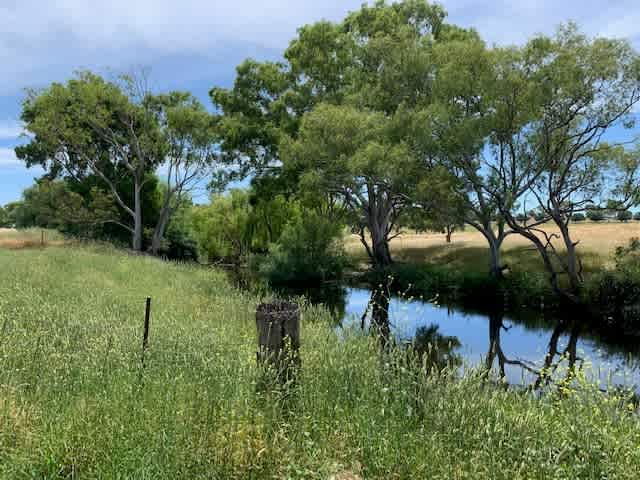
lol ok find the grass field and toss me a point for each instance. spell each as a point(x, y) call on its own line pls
point(76, 404)
point(468, 249)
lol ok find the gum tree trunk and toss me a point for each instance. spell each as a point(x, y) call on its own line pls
point(161, 227)
point(137, 218)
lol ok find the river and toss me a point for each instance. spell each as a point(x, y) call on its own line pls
point(515, 348)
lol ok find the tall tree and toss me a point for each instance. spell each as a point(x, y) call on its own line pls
point(353, 154)
point(377, 61)
point(90, 126)
point(4, 217)
point(559, 158)
point(188, 132)
point(476, 92)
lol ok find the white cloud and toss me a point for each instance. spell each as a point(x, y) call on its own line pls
point(8, 158)
point(10, 130)
point(42, 40)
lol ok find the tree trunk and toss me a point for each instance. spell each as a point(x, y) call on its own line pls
point(544, 376)
point(380, 246)
point(495, 256)
point(449, 233)
point(495, 245)
point(495, 349)
point(137, 219)
point(572, 263)
point(161, 227)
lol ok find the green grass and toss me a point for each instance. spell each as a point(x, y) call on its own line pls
point(75, 403)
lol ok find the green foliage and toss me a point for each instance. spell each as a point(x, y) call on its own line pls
point(636, 216)
point(578, 217)
point(115, 135)
point(222, 228)
point(74, 401)
point(83, 208)
point(617, 292)
point(347, 90)
point(354, 156)
point(53, 204)
point(239, 223)
point(5, 220)
point(624, 216)
point(180, 242)
point(179, 245)
point(308, 252)
point(595, 215)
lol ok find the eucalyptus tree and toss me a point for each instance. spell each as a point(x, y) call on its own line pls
point(454, 132)
point(371, 67)
point(353, 154)
point(189, 134)
point(559, 157)
point(90, 126)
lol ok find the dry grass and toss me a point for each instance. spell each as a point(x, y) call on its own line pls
point(468, 248)
point(13, 239)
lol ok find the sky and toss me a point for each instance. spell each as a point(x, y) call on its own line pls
point(196, 44)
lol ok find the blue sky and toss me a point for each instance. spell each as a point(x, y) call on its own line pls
point(196, 44)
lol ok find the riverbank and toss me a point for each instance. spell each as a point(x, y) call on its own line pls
point(75, 402)
point(458, 272)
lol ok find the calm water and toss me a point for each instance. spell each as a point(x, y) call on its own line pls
point(518, 347)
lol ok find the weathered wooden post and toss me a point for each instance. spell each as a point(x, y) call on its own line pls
point(279, 338)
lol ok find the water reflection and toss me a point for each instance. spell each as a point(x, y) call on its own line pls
point(428, 345)
point(436, 351)
point(553, 359)
point(534, 351)
point(527, 349)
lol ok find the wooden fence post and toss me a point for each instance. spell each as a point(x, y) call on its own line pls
point(278, 327)
point(145, 334)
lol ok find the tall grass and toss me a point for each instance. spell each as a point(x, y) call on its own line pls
point(75, 402)
point(29, 238)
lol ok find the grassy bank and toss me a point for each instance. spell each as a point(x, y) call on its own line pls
point(75, 403)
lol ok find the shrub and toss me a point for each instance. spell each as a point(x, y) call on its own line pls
point(237, 224)
point(4, 217)
point(636, 216)
point(308, 252)
point(578, 217)
point(179, 245)
point(595, 215)
point(624, 216)
point(617, 292)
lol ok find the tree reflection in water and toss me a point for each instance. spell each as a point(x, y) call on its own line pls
point(553, 359)
point(436, 351)
point(432, 349)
